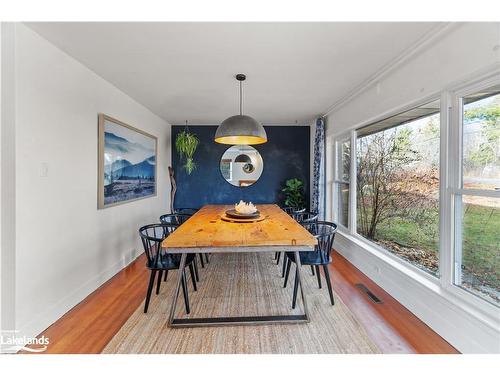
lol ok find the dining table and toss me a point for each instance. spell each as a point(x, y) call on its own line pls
point(208, 231)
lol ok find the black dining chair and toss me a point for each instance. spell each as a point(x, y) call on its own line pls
point(159, 261)
point(174, 219)
point(186, 211)
point(292, 211)
point(177, 220)
point(190, 212)
point(303, 218)
point(324, 232)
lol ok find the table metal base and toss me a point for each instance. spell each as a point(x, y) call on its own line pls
point(237, 320)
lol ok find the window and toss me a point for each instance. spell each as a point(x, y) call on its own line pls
point(388, 190)
point(481, 141)
point(397, 185)
point(477, 200)
point(342, 181)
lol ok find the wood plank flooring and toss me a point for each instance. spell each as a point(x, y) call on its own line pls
point(90, 325)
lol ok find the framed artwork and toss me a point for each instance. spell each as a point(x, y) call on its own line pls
point(127, 163)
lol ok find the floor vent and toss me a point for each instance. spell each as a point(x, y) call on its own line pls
point(369, 293)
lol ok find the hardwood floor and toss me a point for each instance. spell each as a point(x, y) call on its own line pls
point(389, 324)
point(90, 325)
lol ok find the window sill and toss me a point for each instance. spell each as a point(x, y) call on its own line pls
point(392, 260)
point(462, 300)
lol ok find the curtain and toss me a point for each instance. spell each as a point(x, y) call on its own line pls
point(319, 183)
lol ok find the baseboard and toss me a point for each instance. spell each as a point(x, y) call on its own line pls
point(461, 329)
point(50, 315)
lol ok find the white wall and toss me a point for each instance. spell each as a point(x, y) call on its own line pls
point(65, 246)
point(463, 52)
point(7, 176)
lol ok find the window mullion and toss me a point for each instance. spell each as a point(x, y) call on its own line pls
point(446, 165)
point(335, 201)
point(352, 186)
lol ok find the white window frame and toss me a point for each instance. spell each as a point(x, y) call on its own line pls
point(449, 187)
point(434, 279)
point(338, 180)
point(454, 192)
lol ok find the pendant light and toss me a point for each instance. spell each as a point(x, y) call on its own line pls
point(240, 129)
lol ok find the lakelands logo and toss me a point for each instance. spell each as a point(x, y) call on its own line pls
point(11, 342)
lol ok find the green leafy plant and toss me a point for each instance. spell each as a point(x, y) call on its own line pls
point(294, 192)
point(186, 144)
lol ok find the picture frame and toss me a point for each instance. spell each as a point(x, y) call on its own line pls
point(127, 163)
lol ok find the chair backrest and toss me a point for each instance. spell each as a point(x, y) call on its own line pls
point(152, 235)
point(186, 211)
point(292, 211)
point(174, 219)
point(324, 232)
point(306, 217)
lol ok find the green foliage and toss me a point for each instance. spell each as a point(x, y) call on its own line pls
point(431, 130)
point(294, 191)
point(186, 144)
point(382, 162)
point(488, 151)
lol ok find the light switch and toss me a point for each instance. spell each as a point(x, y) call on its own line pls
point(44, 170)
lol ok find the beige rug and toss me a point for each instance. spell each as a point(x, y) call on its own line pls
point(243, 284)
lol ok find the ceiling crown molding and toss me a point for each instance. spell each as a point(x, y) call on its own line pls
point(417, 47)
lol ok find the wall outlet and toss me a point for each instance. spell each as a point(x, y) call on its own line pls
point(44, 170)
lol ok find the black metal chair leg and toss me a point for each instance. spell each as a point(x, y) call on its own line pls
point(166, 274)
point(185, 291)
point(279, 256)
point(201, 260)
point(319, 277)
point(312, 270)
point(295, 288)
point(207, 259)
point(158, 282)
point(276, 255)
point(283, 269)
point(195, 266)
point(288, 265)
point(328, 283)
point(193, 277)
point(150, 289)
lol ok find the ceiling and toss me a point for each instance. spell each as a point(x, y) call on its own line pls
point(185, 71)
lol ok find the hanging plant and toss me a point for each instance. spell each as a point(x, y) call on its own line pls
point(186, 144)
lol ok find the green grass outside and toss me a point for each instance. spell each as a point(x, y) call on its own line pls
point(481, 234)
point(481, 245)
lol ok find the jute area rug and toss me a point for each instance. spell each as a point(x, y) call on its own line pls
point(243, 284)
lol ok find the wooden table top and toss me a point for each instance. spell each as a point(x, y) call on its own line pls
point(205, 231)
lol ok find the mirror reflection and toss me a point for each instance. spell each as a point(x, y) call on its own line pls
point(241, 165)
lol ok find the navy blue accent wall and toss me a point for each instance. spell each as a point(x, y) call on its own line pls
point(286, 155)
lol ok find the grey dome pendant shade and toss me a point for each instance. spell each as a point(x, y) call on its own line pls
point(240, 129)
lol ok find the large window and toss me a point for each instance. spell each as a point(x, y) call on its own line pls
point(429, 193)
point(477, 200)
point(397, 185)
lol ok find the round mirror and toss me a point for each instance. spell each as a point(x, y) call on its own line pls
point(241, 165)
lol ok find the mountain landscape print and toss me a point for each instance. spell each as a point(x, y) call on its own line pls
point(128, 163)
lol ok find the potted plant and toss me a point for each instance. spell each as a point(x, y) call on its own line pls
point(186, 144)
point(294, 193)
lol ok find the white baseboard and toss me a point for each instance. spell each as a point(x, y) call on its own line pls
point(50, 315)
point(461, 329)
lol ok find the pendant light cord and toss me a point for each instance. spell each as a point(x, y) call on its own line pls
point(241, 99)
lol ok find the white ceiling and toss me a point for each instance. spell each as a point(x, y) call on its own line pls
point(185, 71)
